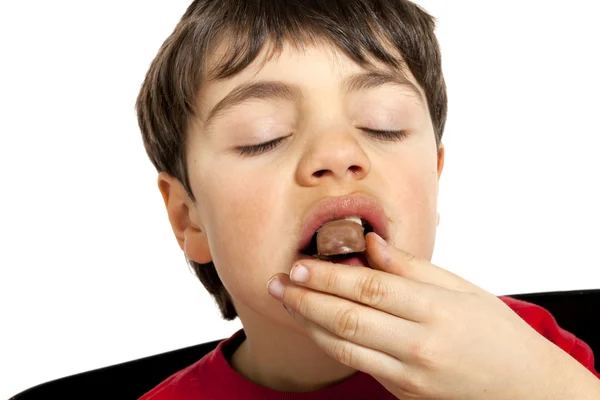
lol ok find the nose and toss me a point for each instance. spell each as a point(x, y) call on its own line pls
point(335, 156)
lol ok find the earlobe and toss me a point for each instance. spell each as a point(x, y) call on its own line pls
point(195, 246)
point(184, 219)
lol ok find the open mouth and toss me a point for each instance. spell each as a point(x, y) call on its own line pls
point(312, 250)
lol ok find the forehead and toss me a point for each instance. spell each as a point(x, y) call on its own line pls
point(316, 65)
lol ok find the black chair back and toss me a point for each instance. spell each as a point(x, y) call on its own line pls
point(576, 311)
point(129, 380)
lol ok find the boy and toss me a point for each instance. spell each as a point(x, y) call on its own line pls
point(268, 119)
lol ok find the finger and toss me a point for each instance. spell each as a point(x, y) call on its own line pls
point(356, 323)
point(391, 259)
point(379, 290)
point(370, 361)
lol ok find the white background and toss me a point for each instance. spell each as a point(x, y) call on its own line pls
point(91, 274)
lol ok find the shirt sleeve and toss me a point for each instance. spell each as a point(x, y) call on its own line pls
point(545, 324)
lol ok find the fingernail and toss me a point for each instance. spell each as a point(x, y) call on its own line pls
point(380, 240)
point(275, 287)
point(299, 273)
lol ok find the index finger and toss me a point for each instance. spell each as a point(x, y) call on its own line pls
point(389, 293)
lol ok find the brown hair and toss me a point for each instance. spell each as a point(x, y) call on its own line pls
point(362, 29)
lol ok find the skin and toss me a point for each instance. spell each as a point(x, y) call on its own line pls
point(425, 333)
point(418, 329)
point(249, 209)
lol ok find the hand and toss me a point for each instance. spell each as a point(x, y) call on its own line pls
point(421, 331)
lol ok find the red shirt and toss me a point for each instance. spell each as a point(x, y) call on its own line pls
point(213, 378)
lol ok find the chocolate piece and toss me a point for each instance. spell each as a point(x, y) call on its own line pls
point(340, 237)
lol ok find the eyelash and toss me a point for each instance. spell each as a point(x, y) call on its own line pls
point(248, 151)
point(387, 136)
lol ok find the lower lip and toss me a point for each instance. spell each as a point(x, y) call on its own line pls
point(358, 261)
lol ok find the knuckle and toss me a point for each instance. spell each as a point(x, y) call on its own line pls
point(370, 290)
point(342, 351)
point(425, 353)
point(408, 257)
point(436, 311)
point(302, 302)
point(429, 307)
point(432, 306)
point(416, 385)
point(333, 279)
point(449, 307)
point(346, 323)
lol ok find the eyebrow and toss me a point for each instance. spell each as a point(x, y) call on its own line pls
point(255, 91)
point(270, 90)
point(375, 79)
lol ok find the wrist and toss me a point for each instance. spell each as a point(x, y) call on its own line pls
point(571, 380)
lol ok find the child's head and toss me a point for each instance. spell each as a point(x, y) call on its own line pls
point(314, 80)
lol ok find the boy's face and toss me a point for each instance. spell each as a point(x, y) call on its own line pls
point(250, 207)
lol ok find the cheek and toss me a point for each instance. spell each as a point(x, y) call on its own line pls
point(239, 209)
point(244, 228)
point(245, 212)
point(413, 193)
point(233, 213)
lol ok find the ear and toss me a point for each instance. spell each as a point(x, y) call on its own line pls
point(184, 219)
point(440, 161)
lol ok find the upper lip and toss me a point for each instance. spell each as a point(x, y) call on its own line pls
point(333, 208)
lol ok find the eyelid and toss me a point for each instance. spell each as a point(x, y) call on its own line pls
point(261, 148)
point(386, 135)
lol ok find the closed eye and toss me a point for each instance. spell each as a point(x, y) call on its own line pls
point(388, 136)
point(261, 148)
point(248, 151)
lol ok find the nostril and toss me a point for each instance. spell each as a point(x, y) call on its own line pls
point(355, 169)
point(320, 173)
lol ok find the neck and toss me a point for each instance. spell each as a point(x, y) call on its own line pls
point(283, 357)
